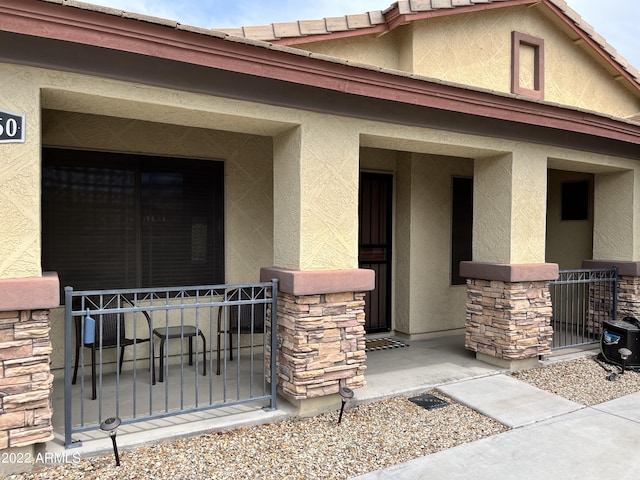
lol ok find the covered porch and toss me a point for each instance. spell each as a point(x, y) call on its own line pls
point(420, 366)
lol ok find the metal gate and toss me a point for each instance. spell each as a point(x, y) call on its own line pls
point(188, 331)
point(582, 300)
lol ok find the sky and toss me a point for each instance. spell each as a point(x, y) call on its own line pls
point(616, 20)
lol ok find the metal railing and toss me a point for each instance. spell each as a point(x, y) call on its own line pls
point(582, 300)
point(113, 340)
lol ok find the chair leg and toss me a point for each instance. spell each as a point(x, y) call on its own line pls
point(190, 350)
point(152, 361)
point(161, 377)
point(75, 369)
point(218, 354)
point(93, 373)
point(121, 359)
point(204, 354)
point(230, 346)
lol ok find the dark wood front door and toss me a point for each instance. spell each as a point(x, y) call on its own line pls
point(375, 247)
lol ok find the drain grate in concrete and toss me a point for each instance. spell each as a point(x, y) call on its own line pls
point(430, 402)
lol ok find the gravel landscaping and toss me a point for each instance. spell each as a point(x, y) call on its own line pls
point(370, 437)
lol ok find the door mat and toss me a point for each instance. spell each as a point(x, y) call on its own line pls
point(383, 344)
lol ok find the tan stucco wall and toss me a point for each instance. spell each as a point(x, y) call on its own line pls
point(391, 50)
point(616, 216)
point(316, 173)
point(435, 305)
point(174, 122)
point(569, 242)
point(475, 49)
point(20, 179)
point(248, 173)
point(510, 207)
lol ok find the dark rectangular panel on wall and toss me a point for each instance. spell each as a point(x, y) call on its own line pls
point(461, 225)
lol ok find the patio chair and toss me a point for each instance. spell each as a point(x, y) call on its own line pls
point(112, 323)
point(239, 319)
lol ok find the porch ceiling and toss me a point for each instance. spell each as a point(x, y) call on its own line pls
point(196, 116)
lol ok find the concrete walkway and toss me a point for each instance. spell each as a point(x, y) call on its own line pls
point(550, 437)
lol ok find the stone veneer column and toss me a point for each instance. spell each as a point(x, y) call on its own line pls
point(26, 381)
point(628, 294)
point(509, 312)
point(321, 337)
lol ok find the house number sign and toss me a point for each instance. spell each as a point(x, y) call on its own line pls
point(11, 127)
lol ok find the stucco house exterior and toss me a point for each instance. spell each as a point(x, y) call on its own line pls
point(405, 166)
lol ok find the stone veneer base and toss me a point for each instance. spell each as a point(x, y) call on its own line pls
point(321, 336)
point(509, 312)
point(628, 297)
point(26, 381)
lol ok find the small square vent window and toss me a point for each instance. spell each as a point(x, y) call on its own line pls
point(527, 65)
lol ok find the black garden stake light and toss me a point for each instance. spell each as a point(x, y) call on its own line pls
point(346, 394)
point(110, 425)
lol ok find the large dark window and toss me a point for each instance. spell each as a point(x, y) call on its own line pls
point(123, 221)
point(461, 225)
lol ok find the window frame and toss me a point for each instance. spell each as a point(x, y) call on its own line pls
point(204, 178)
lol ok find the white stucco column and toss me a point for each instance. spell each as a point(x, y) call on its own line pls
point(615, 222)
point(316, 175)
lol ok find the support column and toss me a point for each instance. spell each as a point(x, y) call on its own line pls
point(509, 311)
point(26, 381)
point(616, 227)
point(628, 294)
point(616, 231)
point(25, 294)
point(321, 342)
point(316, 178)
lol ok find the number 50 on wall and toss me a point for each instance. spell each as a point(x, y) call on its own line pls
point(11, 127)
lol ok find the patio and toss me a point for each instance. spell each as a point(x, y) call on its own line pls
point(421, 366)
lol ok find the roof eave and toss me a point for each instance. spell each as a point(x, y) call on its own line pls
point(261, 59)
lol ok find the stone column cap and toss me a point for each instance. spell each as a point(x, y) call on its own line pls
point(318, 282)
point(510, 272)
point(30, 293)
point(627, 268)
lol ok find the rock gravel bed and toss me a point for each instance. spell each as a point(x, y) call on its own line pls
point(370, 437)
point(585, 381)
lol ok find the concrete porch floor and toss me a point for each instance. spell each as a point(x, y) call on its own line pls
point(421, 366)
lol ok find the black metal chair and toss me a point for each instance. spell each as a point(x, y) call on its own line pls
point(239, 319)
point(113, 336)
